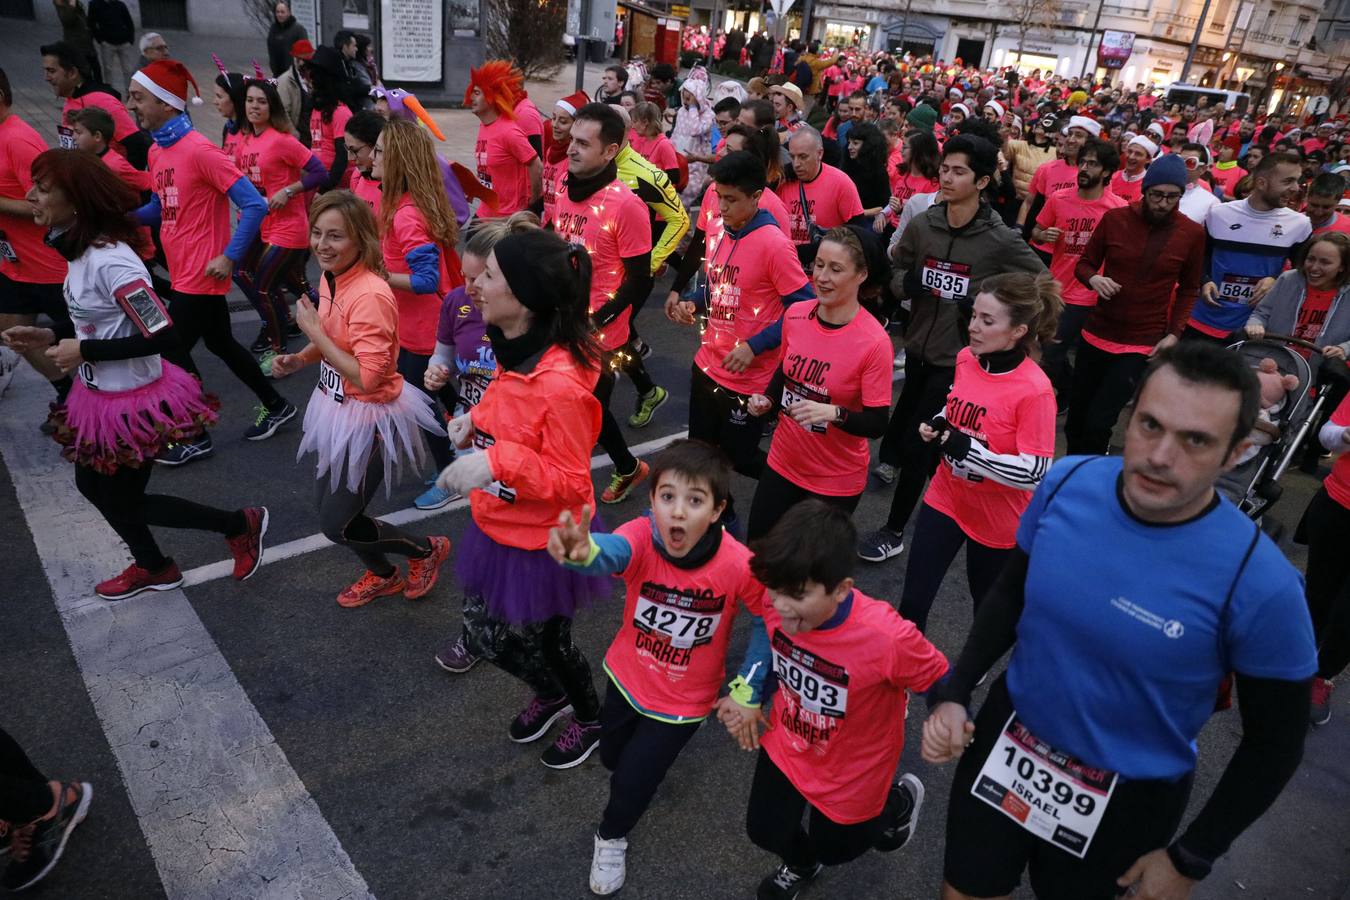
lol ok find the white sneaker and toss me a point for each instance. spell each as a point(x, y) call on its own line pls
point(608, 866)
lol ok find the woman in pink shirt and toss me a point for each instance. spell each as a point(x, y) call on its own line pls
point(363, 422)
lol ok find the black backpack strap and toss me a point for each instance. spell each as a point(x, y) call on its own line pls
point(1065, 480)
point(1232, 589)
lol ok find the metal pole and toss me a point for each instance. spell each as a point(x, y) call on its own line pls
point(1195, 42)
point(583, 42)
point(904, 28)
point(1092, 37)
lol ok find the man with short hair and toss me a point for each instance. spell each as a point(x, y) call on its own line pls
point(821, 197)
point(69, 80)
point(1128, 183)
point(1057, 174)
point(660, 85)
point(613, 83)
point(787, 109)
point(1133, 590)
point(153, 47)
point(1324, 193)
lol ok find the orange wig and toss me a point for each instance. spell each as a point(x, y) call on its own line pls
point(501, 83)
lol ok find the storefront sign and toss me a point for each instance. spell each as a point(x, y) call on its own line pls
point(1115, 48)
point(412, 40)
point(679, 12)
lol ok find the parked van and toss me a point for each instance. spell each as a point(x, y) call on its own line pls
point(1189, 94)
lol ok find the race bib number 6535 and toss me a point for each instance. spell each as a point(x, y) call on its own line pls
point(945, 279)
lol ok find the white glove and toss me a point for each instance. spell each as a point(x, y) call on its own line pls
point(461, 430)
point(467, 473)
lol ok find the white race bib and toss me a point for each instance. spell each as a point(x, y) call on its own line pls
point(471, 388)
point(1049, 793)
point(794, 393)
point(682, 627)
point(1238, 288)
point(815, 693)
point(88, 375)
point(7, 250)
point(330, 382)
point(945, 279)
point(482, 441)
point(65, 137)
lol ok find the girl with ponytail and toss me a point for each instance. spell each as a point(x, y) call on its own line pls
point(997, 437)
point(533, 431)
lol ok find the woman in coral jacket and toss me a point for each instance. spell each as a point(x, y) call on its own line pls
point(535, 463)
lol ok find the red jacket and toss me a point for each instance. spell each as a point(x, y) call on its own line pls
point(1158, 269)
point(538, 428)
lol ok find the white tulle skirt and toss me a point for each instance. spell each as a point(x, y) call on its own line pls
point(343, 435)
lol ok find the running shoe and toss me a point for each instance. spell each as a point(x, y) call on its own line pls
point(368, 587)
point(456, 656)
point(265, 361)
point(35, 848)
point(902, 812)
point(885, 473)
point(643, 348)
point(185, 452)
point(620, 486)
point(422, 572)
point(435, 497)
point(537, 718)
point(247, 547)
point(787, 882)
point(266, 422)
point(577, 741)
point(261, 342)
point(1320, 713)
point(880, 545)
point(293, 330)
point(900, 359)
point(608, 865)
point(647, 406)
point(136, 580)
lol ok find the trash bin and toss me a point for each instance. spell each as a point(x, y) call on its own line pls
point(598, 51)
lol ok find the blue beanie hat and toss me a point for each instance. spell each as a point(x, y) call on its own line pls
point(1167, 169)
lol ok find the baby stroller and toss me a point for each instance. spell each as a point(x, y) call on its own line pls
point(1254, 484)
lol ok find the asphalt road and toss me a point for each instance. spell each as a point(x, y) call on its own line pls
point(411, 767)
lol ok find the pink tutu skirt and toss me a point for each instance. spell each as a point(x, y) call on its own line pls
point(343, 435)
point(109, 430)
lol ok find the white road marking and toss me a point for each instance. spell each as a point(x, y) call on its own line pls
point(300, 546)
point(223, 812)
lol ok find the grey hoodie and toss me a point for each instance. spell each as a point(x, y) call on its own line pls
point(1278, 311)
point(964, 258)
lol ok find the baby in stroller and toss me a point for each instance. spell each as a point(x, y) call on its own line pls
point(1275, 399)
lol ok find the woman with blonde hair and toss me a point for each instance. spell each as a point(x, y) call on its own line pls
point(364, 421)
point(997, 437)
point(418, 234)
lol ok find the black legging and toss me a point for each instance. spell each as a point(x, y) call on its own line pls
point(937, 539)
point(1102, 384)
point(611, 438)
point(122, 500)
point(206, 317)
point(413, 368)
point(638, 750)
point(1327, 583)
point(1055, 359)
point(718, 416)
point(922, 398)
point(343, 520)
point(775, 495)
point(25, 793)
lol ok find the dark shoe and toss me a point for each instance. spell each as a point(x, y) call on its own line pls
point(787, 882)
point(576, 742)
point(186, 452)
point(902, 813)
point(262, 342)
point(880, 545)
point(537, 718)
point(247, 548)
point(36, 847)
point(136, 580)
point(456, 657)
point(266, 422)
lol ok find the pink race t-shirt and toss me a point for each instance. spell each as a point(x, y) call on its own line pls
point(1339, 221)
point(849, 366)
point(658, 151)
point(1338, 482)
point(192, 179)
point(139, 182)
point(1077, 219)
point(503, 156)
point(612, 226)
point(747, 281)
point(271, 161)
point(529, 119)
point(831, 200)
point(837, 723)
point(1129, 191)
point(368, 191)
point(123, 124)
point(905, 186)
point(710, 214)
point(323, 136)
point(23, 254)
point(669, 657)
point(554, 175)
point(1049, 177)
point(1013, 412)
point(418, 314)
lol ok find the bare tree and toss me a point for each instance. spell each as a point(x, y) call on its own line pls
point(1028, 15)
point(259, 12)
point(527, 32)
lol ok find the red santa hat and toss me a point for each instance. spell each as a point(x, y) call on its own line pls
point(168, 79)
point(573, 102)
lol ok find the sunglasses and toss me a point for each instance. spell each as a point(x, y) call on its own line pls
point(1192, 163)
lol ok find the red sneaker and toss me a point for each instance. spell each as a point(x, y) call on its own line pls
point(368, 587)
point(136, 580)
point(422, 572)
point(247, 548)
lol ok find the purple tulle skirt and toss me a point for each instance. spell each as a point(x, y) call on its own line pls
point(523, 587)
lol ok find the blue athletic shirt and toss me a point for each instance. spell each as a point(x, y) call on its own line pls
point(1244, 246)
point(1122, 643)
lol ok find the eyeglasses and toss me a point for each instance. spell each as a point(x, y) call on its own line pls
point(1168, 197)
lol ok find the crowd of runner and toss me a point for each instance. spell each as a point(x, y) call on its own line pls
point(1045, 247)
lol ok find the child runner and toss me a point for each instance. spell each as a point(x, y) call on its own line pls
point(842, 664)
point(363, 422)
point(282, 169)
point(128, 402)
point(684, 582)
point(997, 435)
point(536, 424)
point(92, 129)
point(833, 389)
point(750, 278)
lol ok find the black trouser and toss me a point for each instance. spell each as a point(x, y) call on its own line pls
point(611, 438)
point(25, 794)
point(123, 502)
point(634, 367)
point(719, 417)
point(1191, 333)
point(639, 751)
point(1327, 584)
point(937, 539)
point(540, 654)
point(1055, 359)
point(773, 820)
point(206, 318)
point(343, 520)
point(775, 495)
point(1102, 384)
point(413, 368)
point(923, 397)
